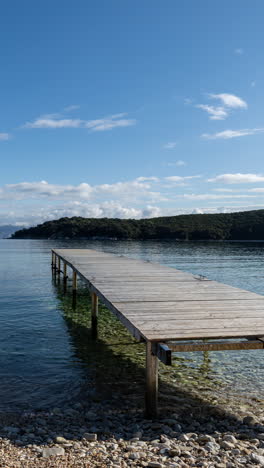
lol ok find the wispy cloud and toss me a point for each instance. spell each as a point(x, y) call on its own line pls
point(215, 113)
point(228, 103)
point(179, 179)
point(106, 123)
point(257, 190)
point(137, 189)
point(5, 136)
point(146, 179)
point(239, 51)
point(45, 122)
point(230, 100)
point(210, 196)
point(253, 84)
point(238, 178)
point(170, 145)
point(228, 134)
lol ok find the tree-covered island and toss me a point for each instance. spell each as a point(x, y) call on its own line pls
point(247, 225)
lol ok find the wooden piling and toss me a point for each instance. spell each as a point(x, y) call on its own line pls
point(74, 288)
point(151, 397)
point(55, 264)
point(52, 260)
point(94, 315)
point(65, 272)
point(59, 265)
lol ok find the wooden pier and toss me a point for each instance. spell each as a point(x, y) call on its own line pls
point(168, 309)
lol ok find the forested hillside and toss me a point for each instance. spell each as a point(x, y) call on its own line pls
point(247, 225)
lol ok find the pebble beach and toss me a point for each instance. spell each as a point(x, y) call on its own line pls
point(189, 432)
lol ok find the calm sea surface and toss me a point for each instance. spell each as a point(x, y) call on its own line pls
point(39, 363)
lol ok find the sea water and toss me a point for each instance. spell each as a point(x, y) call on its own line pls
point(40, 363)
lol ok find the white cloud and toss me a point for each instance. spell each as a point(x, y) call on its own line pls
point(257, 190)
point(45, 122)
point(229, 190)
point(170, 145)
point(210, 196)
point(108, 209)
point(230, 100)
point(34, 215)
point(5, 136)
point(145, 179)
point(130, 191)
point(238, 178)
point(106, 123)
point(83, 190)
point(181, 179)
point(215, 113)
point(228, 134)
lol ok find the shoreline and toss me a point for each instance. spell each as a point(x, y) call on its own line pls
point(191, 431)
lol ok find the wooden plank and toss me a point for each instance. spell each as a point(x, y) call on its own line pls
point(207, 305)
point(217, 346)
point(175, 334)
point(192, 325)
point(169, 301)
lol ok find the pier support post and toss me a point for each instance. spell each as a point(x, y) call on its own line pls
point(94, 315)
point(55, 264)
point(74, 288)
point(65, 273)
point(151, 398)
point(59, 265)
point(52, 260)
point(65, 277)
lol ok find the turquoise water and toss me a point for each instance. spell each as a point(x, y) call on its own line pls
point(39, 361)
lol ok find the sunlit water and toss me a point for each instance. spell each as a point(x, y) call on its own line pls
point(38, 363)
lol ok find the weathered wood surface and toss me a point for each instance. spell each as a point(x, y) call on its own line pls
point(158, 303)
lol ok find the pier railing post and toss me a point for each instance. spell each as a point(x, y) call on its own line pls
point(151, 398)
point(59, 265)
point(94, 315)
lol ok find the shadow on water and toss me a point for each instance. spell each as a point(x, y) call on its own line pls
point(111, 398)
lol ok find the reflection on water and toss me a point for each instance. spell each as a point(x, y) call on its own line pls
point(47, 355)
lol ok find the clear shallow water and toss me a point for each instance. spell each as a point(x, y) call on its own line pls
point(39, 366)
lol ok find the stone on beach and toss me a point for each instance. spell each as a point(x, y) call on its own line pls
point(52, 452)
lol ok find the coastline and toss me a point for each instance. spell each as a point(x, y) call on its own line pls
point(193, 430)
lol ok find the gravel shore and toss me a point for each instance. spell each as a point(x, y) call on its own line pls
point(190, 432)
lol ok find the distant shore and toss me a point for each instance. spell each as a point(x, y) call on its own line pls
point(240, 226)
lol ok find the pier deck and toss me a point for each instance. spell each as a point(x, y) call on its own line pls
point(170, 310)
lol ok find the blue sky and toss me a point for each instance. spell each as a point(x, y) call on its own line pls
point(130, 109)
